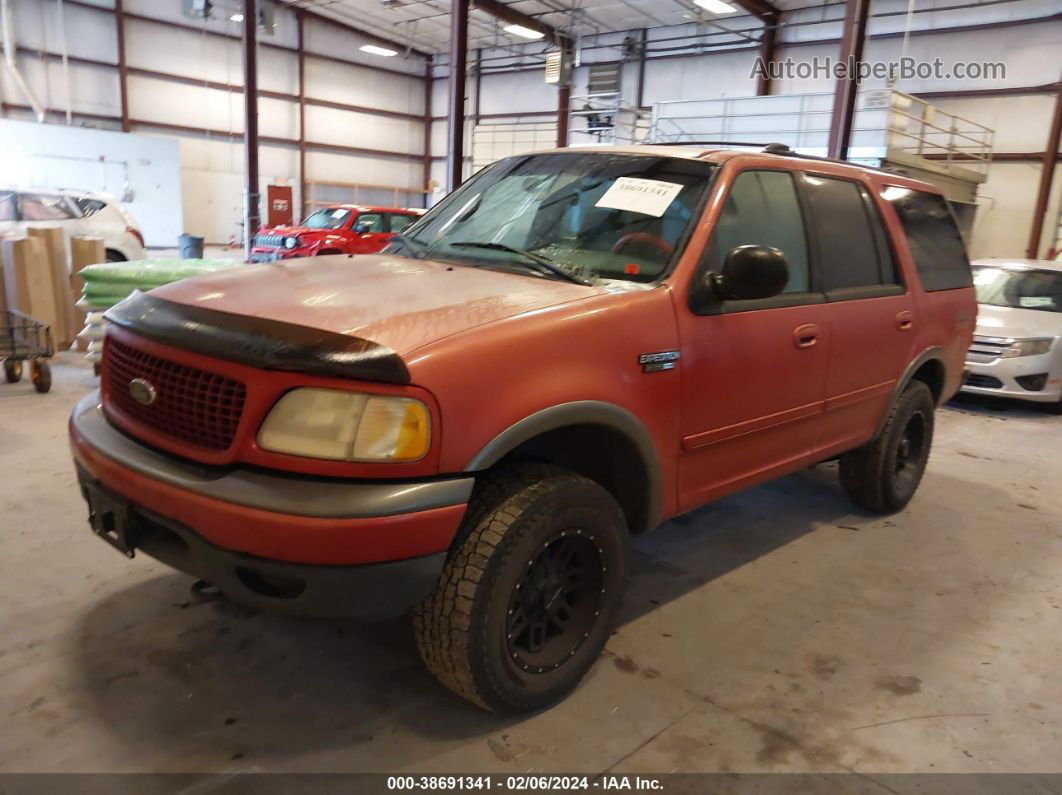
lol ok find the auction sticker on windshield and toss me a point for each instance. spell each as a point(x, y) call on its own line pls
point(646, 196)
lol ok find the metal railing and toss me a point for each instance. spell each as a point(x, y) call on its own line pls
point(886, 122)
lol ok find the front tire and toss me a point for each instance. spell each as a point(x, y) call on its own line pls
point(883, 475)
point(528, 596)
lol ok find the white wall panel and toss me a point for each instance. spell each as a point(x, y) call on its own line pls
point(516, 92)
point(331, 167)
point(720, 75)
point(162, 48)
point(89, 33)
point(1004, 212)
point(278, 70)
point(361, 130)
point(93, 89)
point(284, 32)
point(212, 183)
point(190, 106)
point(356, 85)
point(55, 155)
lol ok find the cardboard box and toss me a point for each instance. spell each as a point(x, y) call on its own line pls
point(84, 251)
point(28, 279)
point(53, 238)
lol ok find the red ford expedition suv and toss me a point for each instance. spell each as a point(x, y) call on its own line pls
point(571, 348)
point(343, 229)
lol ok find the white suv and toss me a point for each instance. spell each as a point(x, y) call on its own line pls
point(1017, 349)
point(79, 212)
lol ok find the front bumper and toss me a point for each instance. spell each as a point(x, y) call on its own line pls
point(297, 544)
point(999, 378)
point(275, 255)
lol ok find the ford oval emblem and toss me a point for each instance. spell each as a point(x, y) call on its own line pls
point(143, 392)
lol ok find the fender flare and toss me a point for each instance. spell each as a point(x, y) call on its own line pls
point(933, 353)
point(581, 412)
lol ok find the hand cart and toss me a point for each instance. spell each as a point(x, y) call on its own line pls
point(24, 339)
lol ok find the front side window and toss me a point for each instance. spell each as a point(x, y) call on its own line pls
point(615, 216)
point(762, 209)
point(932, 234)
point(331, 218)
point(369, 223)
point(1019, 288)
point(43, 207)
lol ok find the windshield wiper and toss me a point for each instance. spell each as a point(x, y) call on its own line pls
point(416, 247)
point(544, 265)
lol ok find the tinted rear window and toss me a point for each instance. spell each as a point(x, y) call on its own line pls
point(936, 245)
point(852, 248)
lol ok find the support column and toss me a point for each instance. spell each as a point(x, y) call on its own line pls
point(564, 91)
point(300, 22)
point(251, 213)
point(844, 95)
point(768, 45)
point(643, 45)
point(455, 122)
point(123, 74)
point(426, 159)
point(564, 101)
point(1047, 175)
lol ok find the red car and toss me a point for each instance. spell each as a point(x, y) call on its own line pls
point(342, 229)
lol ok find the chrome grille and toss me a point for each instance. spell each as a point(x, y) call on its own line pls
point(987, 349)
point(276, 241)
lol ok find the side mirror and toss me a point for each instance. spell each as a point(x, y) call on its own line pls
point(361, 229)
point(751, 272)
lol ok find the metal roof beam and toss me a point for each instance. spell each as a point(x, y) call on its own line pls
point(761, 9)
point(513, 17)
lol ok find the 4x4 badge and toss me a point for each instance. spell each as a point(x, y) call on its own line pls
point(655, 362)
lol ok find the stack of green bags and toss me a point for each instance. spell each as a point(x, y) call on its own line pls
point(108, 283)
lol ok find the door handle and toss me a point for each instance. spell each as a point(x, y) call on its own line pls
point(806, 336)
point(904, 320)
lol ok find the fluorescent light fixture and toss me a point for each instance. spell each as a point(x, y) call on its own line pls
point(527, 33)
point(715, 6)
point(378, 50)
point(237, 17)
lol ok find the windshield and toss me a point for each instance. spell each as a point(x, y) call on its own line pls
point(593, 214)
point(332, 218)
point(1024, 288)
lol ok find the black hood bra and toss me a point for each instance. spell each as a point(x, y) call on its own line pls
point(257, 342)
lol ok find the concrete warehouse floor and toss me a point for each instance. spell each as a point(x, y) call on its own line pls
point(778, 630)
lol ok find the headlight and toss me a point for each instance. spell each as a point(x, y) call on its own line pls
point(346, 426)
point(291, 242)
point(1028, 348)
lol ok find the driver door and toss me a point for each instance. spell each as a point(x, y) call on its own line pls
point(753, 371)
point(368, 233)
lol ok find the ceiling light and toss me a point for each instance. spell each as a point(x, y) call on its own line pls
point(716, 6)
point(237, 17)
point(527, 33)
point(378, 50)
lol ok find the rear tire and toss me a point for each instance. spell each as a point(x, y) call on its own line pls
point(13, 371)
point(883, 475)
point(115, 256)
point(530, 591)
